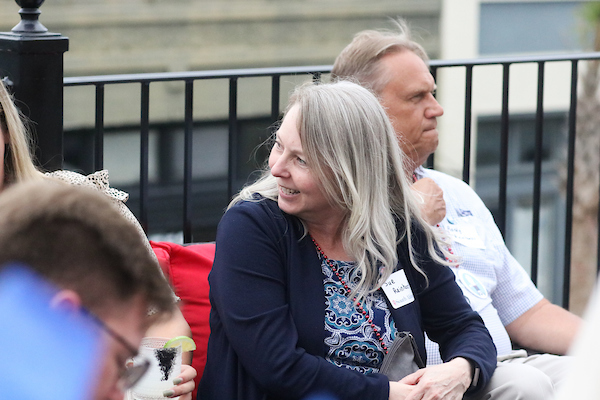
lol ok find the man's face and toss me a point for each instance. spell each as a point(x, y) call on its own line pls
point(409, 102)
point(129, 321)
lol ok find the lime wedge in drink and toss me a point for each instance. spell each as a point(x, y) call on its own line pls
point(187, 344)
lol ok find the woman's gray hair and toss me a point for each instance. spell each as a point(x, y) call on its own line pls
point(352, 151)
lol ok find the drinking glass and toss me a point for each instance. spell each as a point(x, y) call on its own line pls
point(165, 365)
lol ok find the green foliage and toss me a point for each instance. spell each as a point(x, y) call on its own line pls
point(589, 30)
point(591, 12)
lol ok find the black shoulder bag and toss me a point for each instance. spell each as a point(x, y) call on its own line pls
point(402, 359)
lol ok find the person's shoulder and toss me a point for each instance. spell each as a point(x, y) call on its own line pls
point(447, 182)
point(261, 209)
point(98, 180)
point(66, 176)
point(260, 215)
point(256, 204)
point(439, 176)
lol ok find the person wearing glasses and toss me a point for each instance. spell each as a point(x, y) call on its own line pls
point(74, 238)
point(18, 166)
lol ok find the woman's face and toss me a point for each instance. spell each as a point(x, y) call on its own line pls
point(299, 192)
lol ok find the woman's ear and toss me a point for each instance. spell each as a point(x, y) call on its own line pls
point(67, 300)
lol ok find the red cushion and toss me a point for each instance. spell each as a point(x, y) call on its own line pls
point(187, 268)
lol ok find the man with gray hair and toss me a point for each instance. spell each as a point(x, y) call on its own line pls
point(396, 68)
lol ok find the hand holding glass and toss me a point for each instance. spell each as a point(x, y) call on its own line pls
point(165, 365)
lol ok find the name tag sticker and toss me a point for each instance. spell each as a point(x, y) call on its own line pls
point(397, 290)
point(465, 234)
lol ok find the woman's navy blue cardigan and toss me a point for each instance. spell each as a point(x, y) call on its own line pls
point(268, 312)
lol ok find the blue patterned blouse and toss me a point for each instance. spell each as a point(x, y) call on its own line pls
point(350, 339)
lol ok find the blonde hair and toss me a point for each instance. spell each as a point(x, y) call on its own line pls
point(360, 59)
point(18, 160)
point(352, 150)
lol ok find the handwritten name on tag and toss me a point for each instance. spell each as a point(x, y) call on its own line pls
point(397, 289)
point(465, 234)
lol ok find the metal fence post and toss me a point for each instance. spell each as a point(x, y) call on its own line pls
point(31, 60)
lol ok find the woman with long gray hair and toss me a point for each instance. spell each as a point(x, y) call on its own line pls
point(323, 261)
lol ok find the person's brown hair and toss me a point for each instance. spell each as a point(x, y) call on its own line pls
point(76, 239)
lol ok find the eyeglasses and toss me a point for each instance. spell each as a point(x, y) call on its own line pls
point(131, 374)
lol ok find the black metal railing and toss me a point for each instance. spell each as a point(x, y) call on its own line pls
point(500, 216)
point(99, 82)
point(35, 73)
point(275, 74)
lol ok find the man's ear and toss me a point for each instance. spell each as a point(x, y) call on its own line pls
point(67, 300)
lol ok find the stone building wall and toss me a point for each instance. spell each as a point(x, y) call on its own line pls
point(137, 36)
point(133, 36)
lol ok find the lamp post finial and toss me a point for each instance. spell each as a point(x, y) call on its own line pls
point(30, 13)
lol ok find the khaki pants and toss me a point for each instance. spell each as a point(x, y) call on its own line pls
point(523, 377)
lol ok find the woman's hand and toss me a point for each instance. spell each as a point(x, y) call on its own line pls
point(399, 391)
point(448, 381)
point(176, 325)
point(186, 384)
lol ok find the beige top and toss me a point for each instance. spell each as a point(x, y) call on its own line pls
point(99, 181)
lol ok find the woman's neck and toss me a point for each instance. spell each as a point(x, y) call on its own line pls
point(329, 238)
